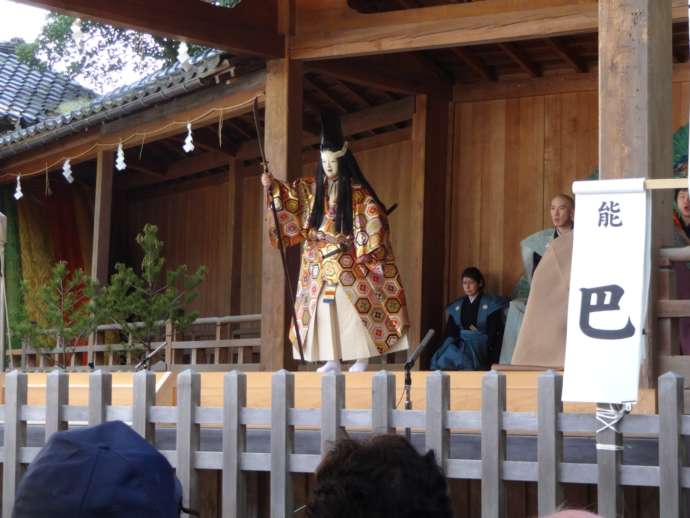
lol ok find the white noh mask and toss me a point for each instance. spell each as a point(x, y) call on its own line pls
point(329, 161)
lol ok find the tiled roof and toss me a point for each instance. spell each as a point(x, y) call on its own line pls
point(32, 94)
point(169, 81)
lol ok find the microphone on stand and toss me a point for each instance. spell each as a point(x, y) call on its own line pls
point(422, 345)
point(411, 360)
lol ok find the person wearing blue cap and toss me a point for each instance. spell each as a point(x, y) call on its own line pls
point(105, 471)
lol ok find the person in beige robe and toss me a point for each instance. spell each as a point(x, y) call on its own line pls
point(541, 342)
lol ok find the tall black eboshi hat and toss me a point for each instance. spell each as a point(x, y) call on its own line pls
point(331, 132)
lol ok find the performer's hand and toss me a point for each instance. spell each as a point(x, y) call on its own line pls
point(266, 180)
point(343, 241)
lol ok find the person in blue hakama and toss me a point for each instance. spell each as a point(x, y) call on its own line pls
point(474, 328)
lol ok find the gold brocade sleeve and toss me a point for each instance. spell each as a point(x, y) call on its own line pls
point(292, 202)
point(370, 228)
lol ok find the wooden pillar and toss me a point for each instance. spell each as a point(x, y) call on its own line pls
point(283, 147)
point(235, 225)
point(634, 141)
point(101, 216)
point(635, 133)
point(234, 293)
point(430, 148)
point(100, 252)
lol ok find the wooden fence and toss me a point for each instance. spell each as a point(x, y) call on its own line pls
point(234, 422)
point(670, 310)
point(209, 341)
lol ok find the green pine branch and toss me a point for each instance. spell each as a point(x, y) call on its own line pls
point(141, 302)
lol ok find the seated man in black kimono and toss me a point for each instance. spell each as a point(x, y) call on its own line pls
point(474, 328)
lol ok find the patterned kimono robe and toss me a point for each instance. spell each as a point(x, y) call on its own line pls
point(367, 315)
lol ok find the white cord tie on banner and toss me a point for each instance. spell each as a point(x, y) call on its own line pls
point(609, 447)
point(611, 416)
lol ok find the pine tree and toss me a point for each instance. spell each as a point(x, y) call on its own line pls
point(66, 306)
point(142, 302)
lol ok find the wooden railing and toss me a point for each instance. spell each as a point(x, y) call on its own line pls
point(214, 342)
point(234, 422)
point(668, 310)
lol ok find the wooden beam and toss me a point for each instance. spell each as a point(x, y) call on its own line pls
point(545, 85)
point(245, 86)
point(635, 138)
point(432, 68)
point(145, 164)
point(331, 29)
point(355, 93)
point(357, 122)
point(102, 211)
point(237, 126)
point(475, 63)
point(283, 145)
point(197, 164)
point(317, 86)
point(233, 99)
point(250, 28)
point(407, 4)
point(179, 169)
point(147, 168)
point(364, 144)
point(354, 34)
point(387, 73)
point(577, 64)
point(517, 55)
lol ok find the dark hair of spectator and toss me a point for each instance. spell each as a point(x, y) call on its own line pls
point(381, 477)
point(475, 274)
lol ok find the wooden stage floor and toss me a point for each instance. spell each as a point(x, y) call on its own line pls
point(465, 390)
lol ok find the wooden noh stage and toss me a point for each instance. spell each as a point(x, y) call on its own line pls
point(469, 115)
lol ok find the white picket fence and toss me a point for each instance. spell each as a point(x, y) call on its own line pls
point(437, 423)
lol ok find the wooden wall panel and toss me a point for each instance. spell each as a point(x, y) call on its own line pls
point(252, 217)
point(190, 224)
point(510, 157)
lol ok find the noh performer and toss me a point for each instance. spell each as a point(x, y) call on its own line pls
point(350, 304)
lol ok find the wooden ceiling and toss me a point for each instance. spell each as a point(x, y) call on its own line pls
point(376, 108)
point(359, 99)
point(512, 60)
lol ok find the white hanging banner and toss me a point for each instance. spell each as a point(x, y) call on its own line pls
point(609, 286)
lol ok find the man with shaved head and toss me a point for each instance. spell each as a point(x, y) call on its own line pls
point(532, 249)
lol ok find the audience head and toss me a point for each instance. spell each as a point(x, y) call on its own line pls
point(683, 203)
point(573, 513)
point(383, 476)
point(562, 211)
point(107, 470)
point(472, 281)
